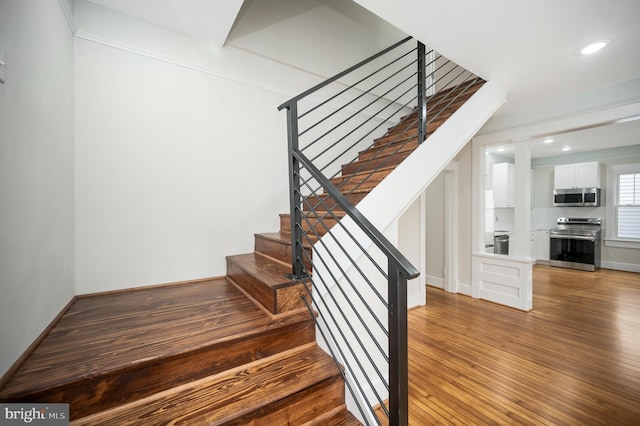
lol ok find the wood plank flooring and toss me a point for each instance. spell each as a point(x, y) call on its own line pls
point(573, 360)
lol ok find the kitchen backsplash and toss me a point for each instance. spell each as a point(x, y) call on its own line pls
point(545, 218)
point(503, 219)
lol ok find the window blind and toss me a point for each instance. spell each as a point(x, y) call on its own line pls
point(628, 206)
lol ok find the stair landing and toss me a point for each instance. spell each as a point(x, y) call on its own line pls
point(104, 349)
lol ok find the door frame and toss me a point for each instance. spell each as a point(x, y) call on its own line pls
point(451, 227)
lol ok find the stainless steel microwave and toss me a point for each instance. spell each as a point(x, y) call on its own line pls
point(576, 197)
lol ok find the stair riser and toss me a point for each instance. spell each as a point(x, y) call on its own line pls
point(365, 181)
point(377, 176)
point(275, 300)
point(298, 408)
point(325, 203)
point(390, 149)
point(443, 108)
point(401, 133)
point(387, 161)
point(366, 185)
point(110, 390)
point(310, 225)
point(279, 250)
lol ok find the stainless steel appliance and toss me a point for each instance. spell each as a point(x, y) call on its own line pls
point(501, 244)
point(576, 197)
point(575, 243)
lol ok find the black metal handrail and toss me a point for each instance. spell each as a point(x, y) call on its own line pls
point(338, 76)
point(404, 266)
point(357, 278)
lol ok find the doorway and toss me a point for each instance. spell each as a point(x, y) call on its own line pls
point(440, 230)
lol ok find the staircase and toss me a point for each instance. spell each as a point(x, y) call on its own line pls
point(375, 163)
point(234, 350)
point(193, 353)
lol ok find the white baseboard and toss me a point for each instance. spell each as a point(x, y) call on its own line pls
point(434, 281)
point(414, 301)
point(464, 288)
point(629, 267)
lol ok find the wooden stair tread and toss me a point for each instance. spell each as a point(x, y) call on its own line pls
point(267, 280)
point(324, 202)
point(314, 224)
point(363, 181)
point(374, 163)
point(391, 149)
point(281, 236)
point(117, 331)
point(221, 398)
point(270, 271)
point(314, 215)
point(442, 98)
point(409, 144)
point(339, 416)
point(360, 176)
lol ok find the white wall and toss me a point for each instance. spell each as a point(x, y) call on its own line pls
point(465, 212)
point(175, 169)
point(411, 227)
point(435, 235)
point(180, 148)
point(36, 172)
point(320, 37)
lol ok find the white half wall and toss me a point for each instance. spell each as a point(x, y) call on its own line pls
point(36, 172)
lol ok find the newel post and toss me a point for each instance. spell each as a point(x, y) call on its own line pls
point(422, 94)
point(295, 199)
point(398, 348)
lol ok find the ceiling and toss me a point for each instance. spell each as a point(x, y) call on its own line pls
point(205, 20)
point(611, 135)
point(529, 47)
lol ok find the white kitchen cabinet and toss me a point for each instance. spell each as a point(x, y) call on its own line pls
point(532, 245)
point(542, 245)
point(503, 184)
point(578, 175)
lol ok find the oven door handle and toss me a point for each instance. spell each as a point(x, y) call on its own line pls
point(572, 237)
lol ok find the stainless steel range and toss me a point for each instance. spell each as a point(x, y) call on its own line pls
point(575, 243)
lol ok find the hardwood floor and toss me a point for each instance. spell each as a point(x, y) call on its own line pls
point(573, 360)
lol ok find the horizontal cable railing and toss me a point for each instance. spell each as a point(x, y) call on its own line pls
point(345, 135)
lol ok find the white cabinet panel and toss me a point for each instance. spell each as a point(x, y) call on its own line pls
point(578, 175)
point(588, 175)
point(542, 245)
point(564, 176)
point(503, 184)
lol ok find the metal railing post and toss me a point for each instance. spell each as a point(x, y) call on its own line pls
point(398, 348)
point(422, 94)
point(295, 198)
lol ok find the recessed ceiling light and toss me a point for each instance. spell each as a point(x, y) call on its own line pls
point(501, 149)
point(548, 140)
point(594, 47)
point(566, 148)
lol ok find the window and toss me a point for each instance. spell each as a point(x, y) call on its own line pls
point(628, 206)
